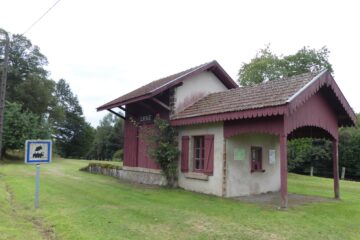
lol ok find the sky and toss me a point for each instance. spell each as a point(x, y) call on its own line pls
point(106, 48)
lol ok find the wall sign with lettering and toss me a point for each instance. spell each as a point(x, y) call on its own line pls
point(146, 118)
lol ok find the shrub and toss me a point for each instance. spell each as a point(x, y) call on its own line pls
point(118, 155)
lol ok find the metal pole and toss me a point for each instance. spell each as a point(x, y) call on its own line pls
point(6, 46)
point(37, 186)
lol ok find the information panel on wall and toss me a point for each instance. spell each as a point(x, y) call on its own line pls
point(272, 156)
point(239, 154)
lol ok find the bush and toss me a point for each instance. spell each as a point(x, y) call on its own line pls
point(118, 155)
point(102, 165)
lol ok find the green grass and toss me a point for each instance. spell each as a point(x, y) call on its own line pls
point(79, 205)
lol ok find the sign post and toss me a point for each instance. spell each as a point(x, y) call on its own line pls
point(37, 152)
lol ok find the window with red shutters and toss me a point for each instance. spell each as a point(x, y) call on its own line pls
point(203, 152)
point(256, 159)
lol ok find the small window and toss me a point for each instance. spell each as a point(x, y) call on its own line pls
point(256, 159)
point(199, 152)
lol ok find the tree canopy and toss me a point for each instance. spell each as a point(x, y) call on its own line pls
point(267, 66)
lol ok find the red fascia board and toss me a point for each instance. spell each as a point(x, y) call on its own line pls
point(251, 113)
point(116, 104)
point(136, 99)
point(214, 67)
point(223, 76)
point(325, 79)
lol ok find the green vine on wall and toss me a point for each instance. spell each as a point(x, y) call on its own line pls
point(163, 148)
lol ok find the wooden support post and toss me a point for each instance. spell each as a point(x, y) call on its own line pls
point(311, 171)
point(336, 168)
point(343, 173)
point(224, 170)
point(283, 171)
point(117, 114)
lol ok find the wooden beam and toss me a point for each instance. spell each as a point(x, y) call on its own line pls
point(117, 114)
point(147, 106)
point(161, 103)
point(122, 108)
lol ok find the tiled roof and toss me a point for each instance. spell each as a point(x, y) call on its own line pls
point(268, 94)
point(162, 84)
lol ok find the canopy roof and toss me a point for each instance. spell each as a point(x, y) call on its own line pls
point(267, 99)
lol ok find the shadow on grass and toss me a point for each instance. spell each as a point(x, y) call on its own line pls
point(13, 157)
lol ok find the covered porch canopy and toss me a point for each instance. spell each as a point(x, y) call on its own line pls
point(306, 105)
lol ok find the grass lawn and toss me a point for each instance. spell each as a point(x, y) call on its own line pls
point(80, 205)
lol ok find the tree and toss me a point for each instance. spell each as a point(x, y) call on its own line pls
point(22, 125)
point(349, 150)
point(72, 133)
point(108, 138)
point(267, 66)
point(28, 82)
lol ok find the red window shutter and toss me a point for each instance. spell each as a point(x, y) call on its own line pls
point(209, 155)
point(185, 153)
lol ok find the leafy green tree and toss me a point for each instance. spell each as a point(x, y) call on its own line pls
point(108, 138)
point(21, 125)
point(72, 133)
point(28, 81)
point(306, 152)
point(267, 66)
point(349, 150)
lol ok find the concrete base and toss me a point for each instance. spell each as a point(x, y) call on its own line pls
point(131, 175)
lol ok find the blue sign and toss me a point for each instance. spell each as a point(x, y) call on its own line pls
point(38, 151)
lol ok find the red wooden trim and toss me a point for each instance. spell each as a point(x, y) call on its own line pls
point(213, 66)
point(283, 171)
point(185, 153)
point(252, 113)
point(268, 125)
point(130, 144)
point(327, 80)
point(336, 168)
point(209, 154)
point(316, 112)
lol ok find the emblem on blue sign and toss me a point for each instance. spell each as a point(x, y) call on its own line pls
point(38, 151)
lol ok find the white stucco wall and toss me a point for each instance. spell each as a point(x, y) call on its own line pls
point(213, 184)
point(240, 180)
point(195, 88)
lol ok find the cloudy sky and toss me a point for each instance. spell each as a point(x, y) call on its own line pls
point(105, 48)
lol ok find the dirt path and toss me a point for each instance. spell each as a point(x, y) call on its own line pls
point(47, 233)
point(273, 199)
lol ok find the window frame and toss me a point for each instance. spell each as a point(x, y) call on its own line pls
point(259, 160)
point(201, 158)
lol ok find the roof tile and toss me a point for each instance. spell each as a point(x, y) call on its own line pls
point(268, 94)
